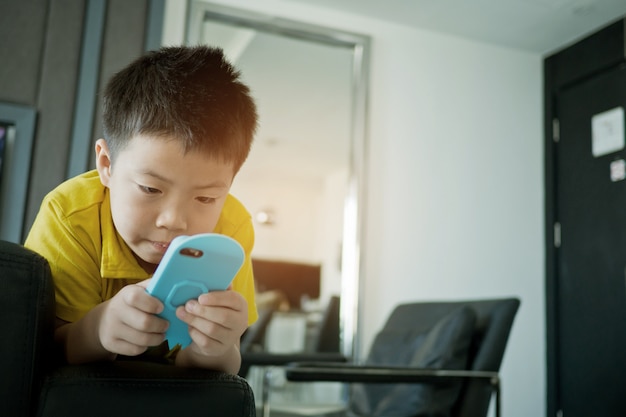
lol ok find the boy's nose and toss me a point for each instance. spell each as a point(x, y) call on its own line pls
point(172, 218)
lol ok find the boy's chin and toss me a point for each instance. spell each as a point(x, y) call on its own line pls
point(148, 262)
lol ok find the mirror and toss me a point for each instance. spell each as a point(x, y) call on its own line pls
point(303, 182)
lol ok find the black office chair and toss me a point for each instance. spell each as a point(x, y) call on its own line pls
point(430, 359)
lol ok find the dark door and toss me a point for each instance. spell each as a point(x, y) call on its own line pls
point(590, 207)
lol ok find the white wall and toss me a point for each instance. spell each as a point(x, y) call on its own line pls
point(291, 202)
point(455, 192)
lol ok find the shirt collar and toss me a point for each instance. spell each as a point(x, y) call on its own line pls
point(118, 261)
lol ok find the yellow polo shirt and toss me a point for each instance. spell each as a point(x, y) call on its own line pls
point(90, 261)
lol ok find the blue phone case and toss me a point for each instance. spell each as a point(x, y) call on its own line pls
point(191, 266)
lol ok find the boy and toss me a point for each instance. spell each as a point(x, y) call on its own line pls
point(178, 125)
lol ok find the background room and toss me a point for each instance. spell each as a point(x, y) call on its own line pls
point(454, 179)
point(453, 170)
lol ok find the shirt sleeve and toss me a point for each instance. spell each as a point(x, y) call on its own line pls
point(74, 259)
point(244, 280)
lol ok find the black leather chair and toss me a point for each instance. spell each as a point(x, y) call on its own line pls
point(430, 359)
point(35, 383)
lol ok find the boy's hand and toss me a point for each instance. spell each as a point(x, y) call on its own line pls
point(128, 325)
point(216, 322)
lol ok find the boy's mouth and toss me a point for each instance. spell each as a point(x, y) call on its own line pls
point(161, 246)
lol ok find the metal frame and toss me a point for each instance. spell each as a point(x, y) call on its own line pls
point(379, 375)
point(87, 87)
point(89, 73)
point(354, 209)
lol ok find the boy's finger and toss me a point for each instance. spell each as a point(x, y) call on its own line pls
point(137, 297)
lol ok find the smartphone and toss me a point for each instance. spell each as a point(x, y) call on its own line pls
point(191, 266)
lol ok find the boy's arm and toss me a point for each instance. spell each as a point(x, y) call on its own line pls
point(229, 362)
point(79, 341)
point(126, 324)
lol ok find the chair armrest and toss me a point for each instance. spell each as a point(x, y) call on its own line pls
point(342, 372)
point(249, 359)
point(269, 359)
point(143, 388)
point(348, 373)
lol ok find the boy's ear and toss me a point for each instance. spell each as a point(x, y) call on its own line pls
point(103, 161)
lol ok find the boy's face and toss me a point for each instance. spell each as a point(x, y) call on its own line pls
point(158, 193)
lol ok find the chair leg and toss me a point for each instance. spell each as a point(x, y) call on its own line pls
point(496, 383)
point(265, 392)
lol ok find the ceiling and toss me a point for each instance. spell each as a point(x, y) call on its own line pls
point(287, 140)
point(540, 26)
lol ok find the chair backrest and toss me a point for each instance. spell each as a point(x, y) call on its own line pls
point(254, 337)
point(494, 319)
point(327, 338)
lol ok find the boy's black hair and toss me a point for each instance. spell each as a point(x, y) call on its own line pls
point(190, 94)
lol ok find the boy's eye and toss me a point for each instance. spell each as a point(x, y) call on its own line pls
point(206, 200)
point(149, 190)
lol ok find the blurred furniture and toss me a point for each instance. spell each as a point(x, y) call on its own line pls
point(327, 338)
point(311, 335)
point(267, 302)
point(294, 279)
point(34, 381)
point(430, 359)
point(324, 346)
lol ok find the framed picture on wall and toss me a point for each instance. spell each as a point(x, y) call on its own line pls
point(4, 131)
point(17, 130)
